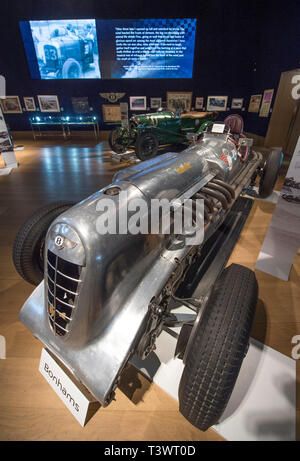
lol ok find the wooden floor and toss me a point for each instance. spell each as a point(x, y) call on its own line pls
point(29, 409)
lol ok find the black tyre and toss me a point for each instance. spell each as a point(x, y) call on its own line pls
point(71, 69)
point(118, 148)
point(270, 173)
point(218, 345)
point(146, 145)
point(28, 249)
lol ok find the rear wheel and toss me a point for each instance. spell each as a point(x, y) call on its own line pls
point(118, 148)
point(218, 344)
point(28, 250)
point(146, 145)
point(270, 173)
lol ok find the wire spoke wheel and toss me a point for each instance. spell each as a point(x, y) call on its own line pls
point(113, 136)
point(270, 173)
point(146, 146)
point(73, 72)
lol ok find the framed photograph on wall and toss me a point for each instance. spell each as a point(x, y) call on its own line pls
point(81, 105)
point(266, 103)
point(237, 103)
point(254, 103)
point(199, 103)
point(178, 101)
point(138, 102)
point(11, 105)
point(155, 103)
point(217, 103)
point(48, 103)
point(111, 113)
point(29, 103)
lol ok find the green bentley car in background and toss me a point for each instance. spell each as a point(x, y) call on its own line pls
point(146, 132)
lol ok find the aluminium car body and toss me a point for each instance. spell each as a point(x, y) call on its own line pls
point(104, 297)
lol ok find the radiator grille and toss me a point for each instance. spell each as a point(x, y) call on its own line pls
point(63, 285)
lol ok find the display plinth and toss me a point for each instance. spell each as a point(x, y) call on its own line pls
point(262, 406)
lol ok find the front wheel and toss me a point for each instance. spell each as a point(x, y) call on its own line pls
point(71, 69)
point(146, 146)
point(218, 346)
point(270, 173)
point(28, 250)
point(117, 148)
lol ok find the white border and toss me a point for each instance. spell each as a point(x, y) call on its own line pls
point(155, 107)
point(25, 98)
point(240, 104)
point(131, 100)
point(213, 108)
point(40, 96)
point(11, 111)
point(198, 98)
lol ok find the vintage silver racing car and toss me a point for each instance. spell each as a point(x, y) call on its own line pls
point(102, 299)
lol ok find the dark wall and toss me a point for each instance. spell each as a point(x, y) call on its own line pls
point(241, 49)
point(278, 51)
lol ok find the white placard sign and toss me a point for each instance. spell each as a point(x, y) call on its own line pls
point(282, 240)
point(218, 128)
point(66, 389)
